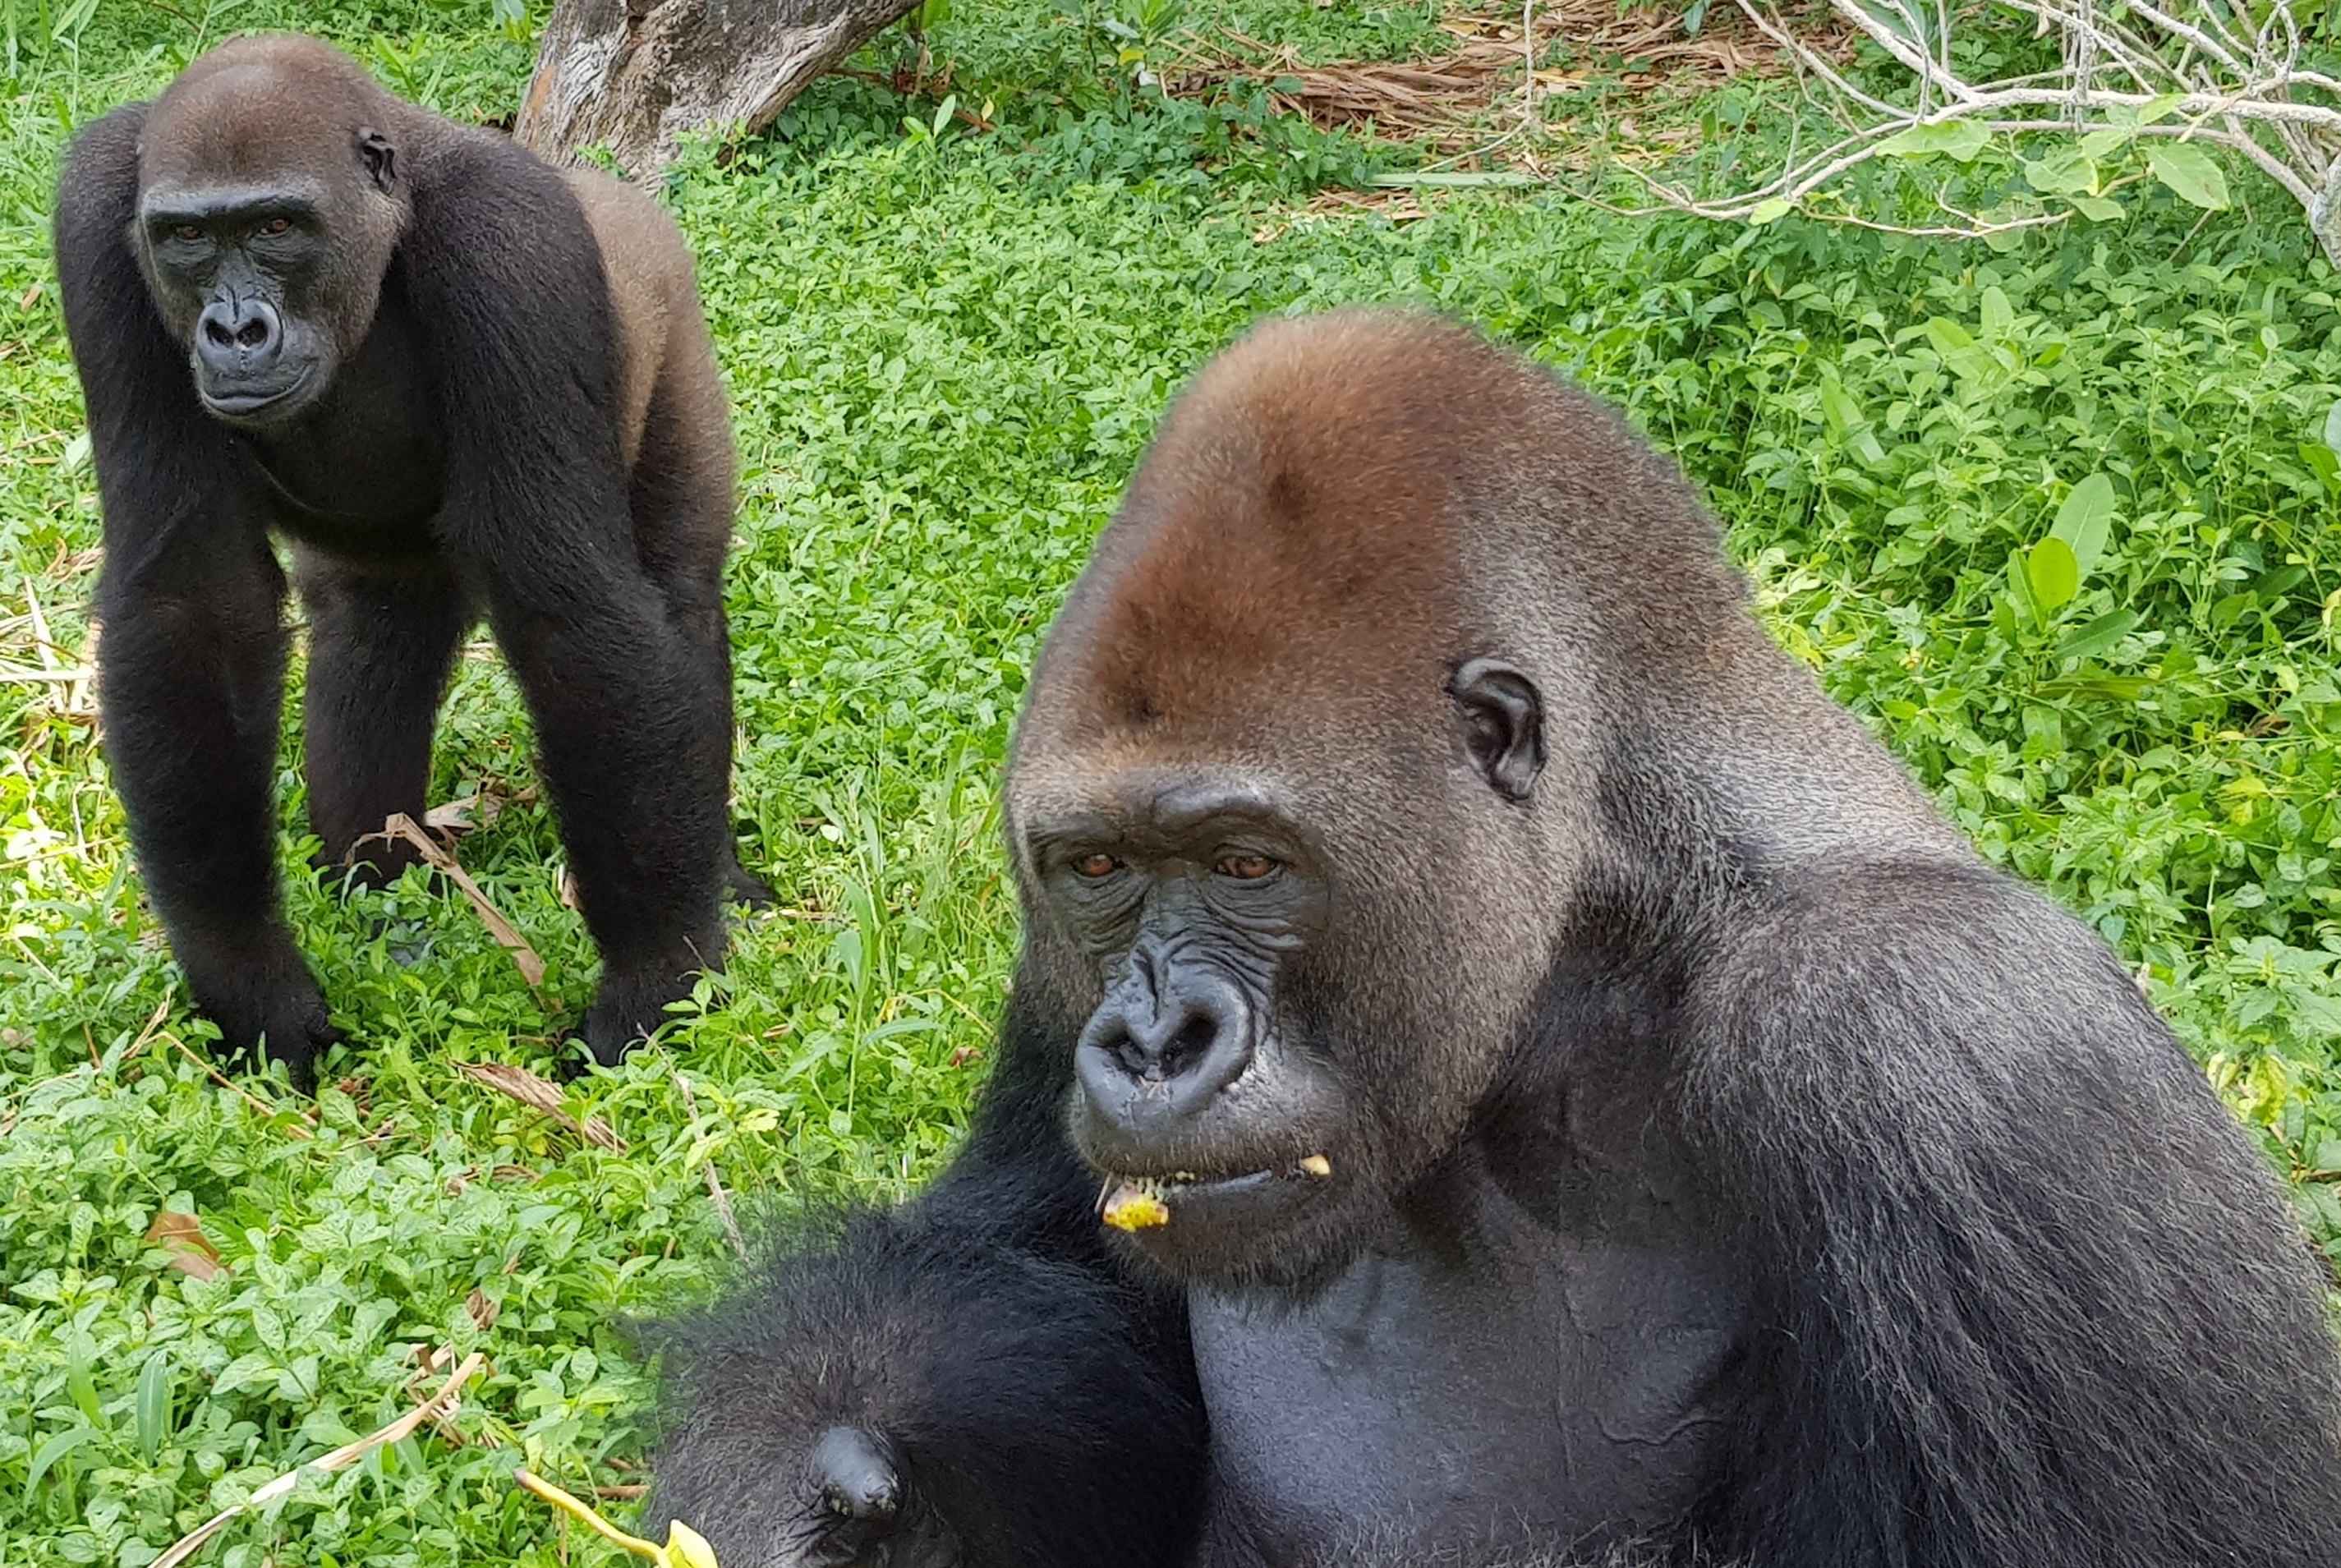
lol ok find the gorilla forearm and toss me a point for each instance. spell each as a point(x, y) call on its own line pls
point(1969, 1147)
point(1032, 1410)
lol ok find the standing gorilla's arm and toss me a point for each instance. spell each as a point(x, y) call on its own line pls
point(190, 601)
point(968, 1382)
point(635, 744)
point(1991, 1333)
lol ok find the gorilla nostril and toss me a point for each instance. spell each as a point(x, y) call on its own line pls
point(1191, 1045)
point(219, 331)
point(252, 334)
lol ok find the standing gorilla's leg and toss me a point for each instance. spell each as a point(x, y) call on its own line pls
point(681, 502)
point(635, 748)
point(381, 644)
point(193, 683)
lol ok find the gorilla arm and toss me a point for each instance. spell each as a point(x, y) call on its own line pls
point(634, 741)
point(2017, 1308)
point(969, 1380)
point(192, 740)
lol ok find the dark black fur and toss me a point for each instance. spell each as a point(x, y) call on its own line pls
point(473, 449)
point(1726, 1166)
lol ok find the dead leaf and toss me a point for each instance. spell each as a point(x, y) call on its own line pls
point(543, 1094)
point(182, 1236)
point(484, 1312)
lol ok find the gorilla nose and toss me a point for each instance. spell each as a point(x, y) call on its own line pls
point(238, 334)
point(1166, 1042)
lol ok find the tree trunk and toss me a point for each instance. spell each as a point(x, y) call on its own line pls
point(635, 75)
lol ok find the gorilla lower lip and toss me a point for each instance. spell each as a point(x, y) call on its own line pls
point(1143, 1202)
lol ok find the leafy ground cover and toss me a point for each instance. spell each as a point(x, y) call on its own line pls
point(2058, 518)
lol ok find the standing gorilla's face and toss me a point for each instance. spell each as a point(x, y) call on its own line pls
point(264, 257)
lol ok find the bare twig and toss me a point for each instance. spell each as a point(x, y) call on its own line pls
point(2186, 64)
point(400, 828)
point(544, 1095)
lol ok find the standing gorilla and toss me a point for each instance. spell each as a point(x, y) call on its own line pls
point(1568, 1092)
point(457, 381)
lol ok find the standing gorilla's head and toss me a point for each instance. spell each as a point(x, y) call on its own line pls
point(1301, 805)
point(269, 206)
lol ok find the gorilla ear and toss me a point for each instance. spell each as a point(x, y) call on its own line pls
point(1503, 720)
point(381, 158)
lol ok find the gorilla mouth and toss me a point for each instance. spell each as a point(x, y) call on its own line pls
point(256, 404)
point(1146, 1203)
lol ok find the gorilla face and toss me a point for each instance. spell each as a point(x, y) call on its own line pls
point(1196, 1076)
point(1248, 1061)
point(269, 282)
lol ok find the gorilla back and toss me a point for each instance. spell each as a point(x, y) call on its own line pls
point(1566, 1090)
point(456, 382)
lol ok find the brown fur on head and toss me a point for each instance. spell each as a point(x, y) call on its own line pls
point(255, 125)
point(1279, 607)
point(1340, 526)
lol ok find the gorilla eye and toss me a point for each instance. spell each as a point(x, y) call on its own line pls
point(277, 225)
point(188, 231)
point(1095, 865)
point(1245, 868)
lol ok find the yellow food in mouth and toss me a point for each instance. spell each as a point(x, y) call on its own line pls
point(1134, 1207)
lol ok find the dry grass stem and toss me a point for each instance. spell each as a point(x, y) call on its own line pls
point(438, 1407)
point(400, 828)
point(1445, 102)
point(542, 1094)
point(714, 1183)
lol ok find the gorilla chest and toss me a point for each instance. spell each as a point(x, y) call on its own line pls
point(1562, 1392)
point(365, 471)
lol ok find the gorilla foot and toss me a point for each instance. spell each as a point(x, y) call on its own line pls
point(741, 886)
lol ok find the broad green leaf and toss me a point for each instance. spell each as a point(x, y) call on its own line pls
point(153, 1405)
point(2097, 209)
point(2085, 521)
point(1769, 211)
point(1958, 139)
point(2063, 172)
point(2333, 427)
point(2322, 462)
point(2160, 109)
point(2087, 641)
point(1948, 337)
point(2054, 576)
point(1998, 315)
point(2104, 145)
point(2188, 169)
point(2109, 688)
point(54, 1449)
point(1839, 407)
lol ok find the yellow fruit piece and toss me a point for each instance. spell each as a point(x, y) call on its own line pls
point(1317, 1165)
point(1134, 1209)
point(687, 1548)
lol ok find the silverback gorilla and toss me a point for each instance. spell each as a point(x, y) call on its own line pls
point(457, 381)
point(1571, 1097)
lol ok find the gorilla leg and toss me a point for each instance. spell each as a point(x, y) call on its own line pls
point(681, 504)
point(634, 745)
point(192, 681)
point(381, 644)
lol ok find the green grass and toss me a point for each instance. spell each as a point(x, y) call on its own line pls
point(945, 356)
